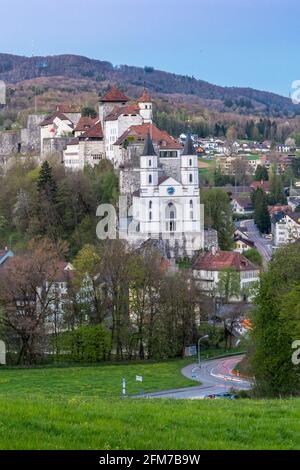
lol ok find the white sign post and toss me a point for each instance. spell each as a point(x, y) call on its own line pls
point(139, 378)
point(124, 387)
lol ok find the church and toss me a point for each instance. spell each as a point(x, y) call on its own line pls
point(166, 210)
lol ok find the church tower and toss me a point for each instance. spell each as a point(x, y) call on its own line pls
point(189, 164)
point(148, 165)
point(146, 107)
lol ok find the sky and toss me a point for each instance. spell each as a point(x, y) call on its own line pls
point(249, 43)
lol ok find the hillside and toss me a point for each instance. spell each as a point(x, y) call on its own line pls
point(245, 101)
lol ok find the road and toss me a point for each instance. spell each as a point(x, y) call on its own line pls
point(263, 245)
point(215, 376)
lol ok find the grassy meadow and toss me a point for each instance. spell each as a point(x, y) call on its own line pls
point(80, 408)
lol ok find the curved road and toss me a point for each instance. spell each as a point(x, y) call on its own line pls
point(215, 376)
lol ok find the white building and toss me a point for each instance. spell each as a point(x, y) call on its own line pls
point(116, 116)
point(167, 208)
point(285, 229)
point(208, 267)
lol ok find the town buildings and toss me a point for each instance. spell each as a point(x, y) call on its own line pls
point(209, 266)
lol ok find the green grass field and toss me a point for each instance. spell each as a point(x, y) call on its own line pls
point(104, 424)
point(103, 380)
point(80, 408)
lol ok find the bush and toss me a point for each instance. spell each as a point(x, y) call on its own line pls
point(86, 344)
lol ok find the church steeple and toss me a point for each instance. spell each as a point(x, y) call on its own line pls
point(149, 164)
point(188, 146)
point(148, 148)
point(189, 164)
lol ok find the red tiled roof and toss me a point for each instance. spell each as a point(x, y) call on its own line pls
point(65, 108)
point(145, 98)
point(49, 120)
point(265, 185)
point(120, 110)
point(140, 132)
point(114, 95)
point(223, 260)
point(85, 122)
point(95, 132)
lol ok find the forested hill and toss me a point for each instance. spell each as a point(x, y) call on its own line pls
point(14, 69)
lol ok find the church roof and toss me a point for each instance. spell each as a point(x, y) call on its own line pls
point(114, 95)
point(148, 148)
point(145, 98)
point(188, 146)
point(160, 138)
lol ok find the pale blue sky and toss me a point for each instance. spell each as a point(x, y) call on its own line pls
point(252, 43)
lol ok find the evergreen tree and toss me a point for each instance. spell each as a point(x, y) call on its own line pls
point(261, 174)
point(277, 195)
point(261, 213)
point(46, 183)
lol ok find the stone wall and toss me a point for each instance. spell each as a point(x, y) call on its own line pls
point(22, 141)
point(56, 146)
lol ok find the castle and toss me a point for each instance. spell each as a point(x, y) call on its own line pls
point(158, 178)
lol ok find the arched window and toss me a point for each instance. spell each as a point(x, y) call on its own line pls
point(191, 178)
point(170, 217)
point(150, 179)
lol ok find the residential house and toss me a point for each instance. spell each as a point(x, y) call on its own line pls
point(208, 267)
point(242, 206)
point(285, 228)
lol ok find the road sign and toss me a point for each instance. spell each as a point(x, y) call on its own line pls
point(190, 351)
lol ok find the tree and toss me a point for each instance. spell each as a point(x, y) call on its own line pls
point(28, 297)
point(254, 256)
point(277, 195)
point(88, 111)
point(218, 215)
point(261, 173)
point(276, 325)
point(261, 214)
point(229, 285)
point(46, 184)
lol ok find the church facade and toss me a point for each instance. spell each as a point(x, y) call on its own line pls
point(168, 209)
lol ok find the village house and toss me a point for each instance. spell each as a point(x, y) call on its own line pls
point(208, 267)
point(242, 206)
point(242, 242)
point(285, 228)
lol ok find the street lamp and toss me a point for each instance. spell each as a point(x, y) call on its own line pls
point(199, 340)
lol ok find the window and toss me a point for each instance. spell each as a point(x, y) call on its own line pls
point(191, 215)
point(150, 162)
point(191, 162)
point(150, 205)
point(191, 178)
point(191, 203)
point(150, 179)
point(170, 217)
point(150, 215)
